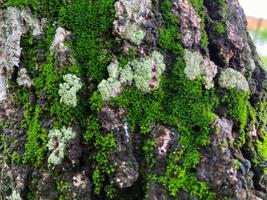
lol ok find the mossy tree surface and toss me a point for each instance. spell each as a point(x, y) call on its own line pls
point(183, 104)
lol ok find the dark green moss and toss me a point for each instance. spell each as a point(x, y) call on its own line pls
point(32, 3)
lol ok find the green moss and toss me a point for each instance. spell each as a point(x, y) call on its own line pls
point(102, 168)
point(237, 105)
point(169, 38)
point(188, 107)
point(65, 190)
point(36, 138)
point(89, 21)
point(219, 28)
point(32, 3)
point(199, 8)
point(239, 109)
point(262, 146)
point(149, 152)
point(179, 102)
point(144, 110)
point(178, 178)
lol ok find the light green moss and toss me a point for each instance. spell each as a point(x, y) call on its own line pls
point(232, 79)
point(67, 91)
point(57, 140)
point(262, 146)
point(219, 28)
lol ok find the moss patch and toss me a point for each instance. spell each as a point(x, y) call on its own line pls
point(179, 102)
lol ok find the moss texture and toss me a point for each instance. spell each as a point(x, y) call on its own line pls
point(177, 101)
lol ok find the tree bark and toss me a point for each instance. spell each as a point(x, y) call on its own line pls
point(140, 99)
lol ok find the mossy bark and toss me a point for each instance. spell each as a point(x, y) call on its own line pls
point(184, 129)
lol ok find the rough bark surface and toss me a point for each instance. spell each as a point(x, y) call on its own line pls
point(130, 99)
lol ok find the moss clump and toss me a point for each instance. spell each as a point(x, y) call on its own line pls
point(36, 138)
point(262, 146)
point(89, 21)
point(239, 109)
point(103, 144)
point(219, 28)
point(144, 110)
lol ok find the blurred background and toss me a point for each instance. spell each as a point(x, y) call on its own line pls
point(257, 24)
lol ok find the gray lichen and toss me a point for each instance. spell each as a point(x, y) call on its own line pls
point(57, 141)
point(23, 78)
point(68, 90)
point(143, 73)
point(232, 79)
point(63, 54)
point(130, 17)
point(190, 22)
point(16, 23)
point(3, 86)
point(198, 66)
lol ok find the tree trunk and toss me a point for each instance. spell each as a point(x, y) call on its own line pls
point(130, 99)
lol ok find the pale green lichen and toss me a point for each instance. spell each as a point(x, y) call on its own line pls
point(118, 77)
point(135, 34)
point(68, 90)
point(147, 71)
point(14, 196)
point(113, 69)
point(198, 66)
point(126, 75)
point(57, 140)
point(109, 88)
point(144, 73)
point(232, 79)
